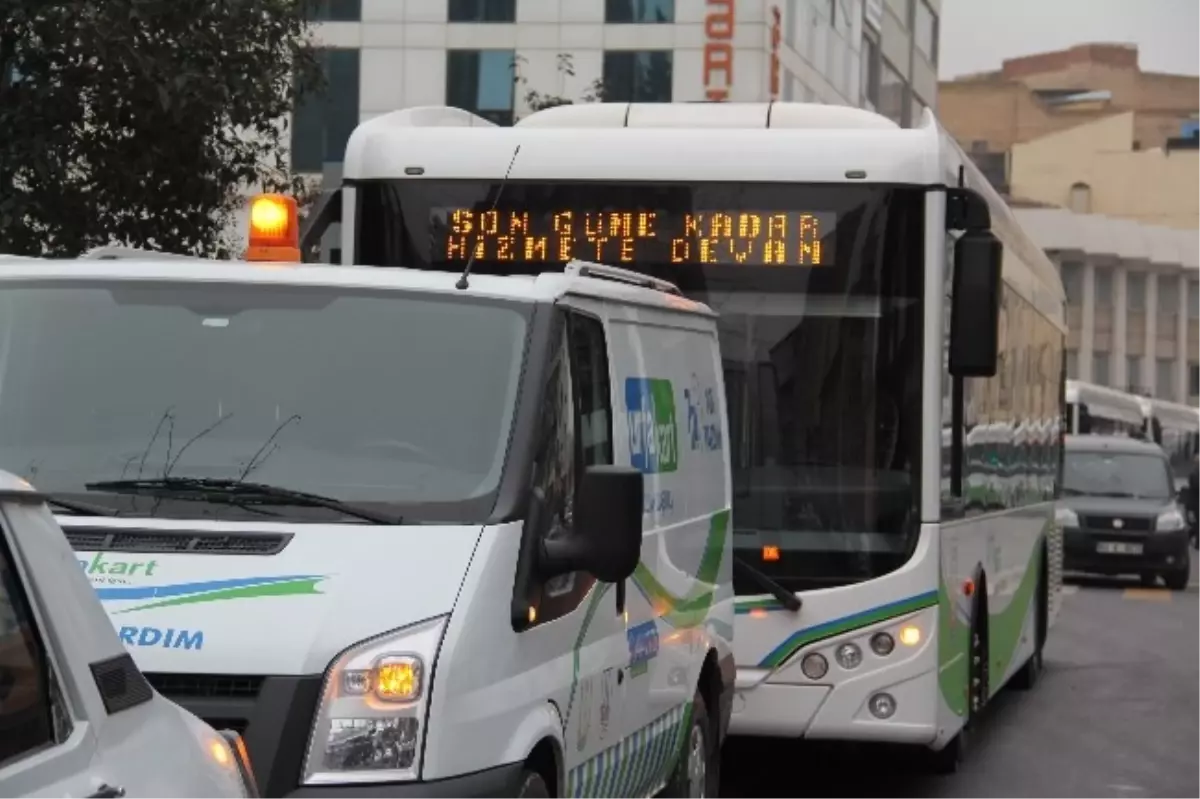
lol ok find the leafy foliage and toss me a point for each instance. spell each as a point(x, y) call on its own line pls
point(566, 69)
point(141, 122)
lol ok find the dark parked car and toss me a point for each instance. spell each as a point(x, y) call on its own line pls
point(1120, 513)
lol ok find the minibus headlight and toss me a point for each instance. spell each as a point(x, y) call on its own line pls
point(371, 717)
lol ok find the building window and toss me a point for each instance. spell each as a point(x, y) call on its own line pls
point(483, 11)
point(642, 76)
point(1164, 384)
point(627, 11)
point(891, 94)
point(1168, 294)
point(335, 10)
point(323, 120)
point(1072, 277)
point(1135, 291)
point(1133, 374)
point(925, 31)
point(481, 81)
point(1193, 379)
point(1080, 200)
point(1100, 368)
point(870, 71)
point(1193, 299)
point(1073, 364)
point(1104, 293)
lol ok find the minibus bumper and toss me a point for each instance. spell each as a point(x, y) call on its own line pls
point(499, 781)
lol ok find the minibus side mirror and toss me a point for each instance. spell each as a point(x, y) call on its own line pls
point(606, 541)
point(975, 315)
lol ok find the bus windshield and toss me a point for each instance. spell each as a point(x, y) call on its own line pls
point(369, 397)
point(818, 288)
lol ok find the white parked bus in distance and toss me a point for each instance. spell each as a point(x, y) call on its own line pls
point(1101, 410)
point(876, 601)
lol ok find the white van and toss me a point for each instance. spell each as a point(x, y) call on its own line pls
point(410, 538)
point(77, 718)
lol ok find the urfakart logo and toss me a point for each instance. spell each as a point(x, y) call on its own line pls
point(653, 437)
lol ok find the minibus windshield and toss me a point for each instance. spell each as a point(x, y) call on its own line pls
point(387, 398)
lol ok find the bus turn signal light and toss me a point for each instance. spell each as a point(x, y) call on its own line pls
point(274, 229)
point(770, 553)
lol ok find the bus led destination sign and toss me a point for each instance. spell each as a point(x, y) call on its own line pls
point(750, 238)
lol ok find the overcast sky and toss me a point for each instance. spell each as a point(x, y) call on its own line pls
point(976, 35)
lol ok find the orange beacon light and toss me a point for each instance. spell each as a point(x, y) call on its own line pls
point(274, 229)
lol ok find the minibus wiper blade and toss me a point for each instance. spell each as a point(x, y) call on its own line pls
point(786, 598)
point(82, 508)
point(238, 492)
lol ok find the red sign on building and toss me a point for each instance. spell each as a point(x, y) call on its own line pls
point(718, 49)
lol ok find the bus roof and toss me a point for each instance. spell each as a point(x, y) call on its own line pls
point(734, 142)
point(1107, 402)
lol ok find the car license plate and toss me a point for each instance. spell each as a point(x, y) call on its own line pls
point(1118, 548)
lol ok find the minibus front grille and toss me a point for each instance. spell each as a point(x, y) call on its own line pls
point(108, 539)
point(214, 686)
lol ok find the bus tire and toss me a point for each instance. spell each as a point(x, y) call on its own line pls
point(533, 785)
point(697, 767)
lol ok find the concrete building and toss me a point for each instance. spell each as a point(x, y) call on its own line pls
point(1097, 167)
point(1133, 300)
point(1032, 96)
point(488, 56)
point(1107, 157)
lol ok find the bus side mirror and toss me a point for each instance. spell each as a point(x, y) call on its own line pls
point(606, 539)
point(975, 313)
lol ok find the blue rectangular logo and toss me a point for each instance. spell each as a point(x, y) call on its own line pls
point(653, 437)
point(643, 646)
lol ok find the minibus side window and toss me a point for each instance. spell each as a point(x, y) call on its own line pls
point(576, 433)
point(555, 477)
point(593, 396)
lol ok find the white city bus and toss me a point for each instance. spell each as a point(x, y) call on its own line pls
point(1101, 410)
point(873, 291)
point(1176, 428)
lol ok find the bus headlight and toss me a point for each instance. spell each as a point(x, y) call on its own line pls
point(1065, 517)
point(1169, 521)
point(370, 721)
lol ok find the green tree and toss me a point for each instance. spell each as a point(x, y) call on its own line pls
point(594, 93)
point(142, 122)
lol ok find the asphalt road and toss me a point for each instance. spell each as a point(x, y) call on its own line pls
point(1116, 713)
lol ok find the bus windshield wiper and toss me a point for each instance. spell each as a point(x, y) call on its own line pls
point(82, 508)
point(786, 598)
point(237, 491)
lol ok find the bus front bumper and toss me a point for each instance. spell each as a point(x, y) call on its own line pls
point(784, 703)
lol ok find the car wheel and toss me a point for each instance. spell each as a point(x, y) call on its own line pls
point(1178, 580)
point(697, 768)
